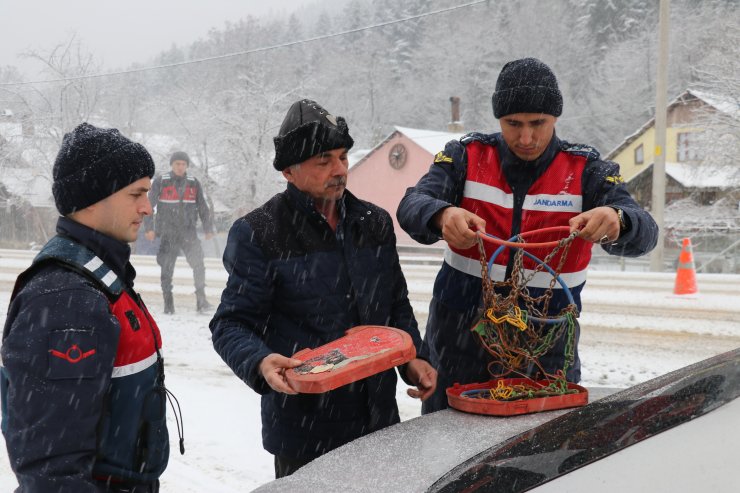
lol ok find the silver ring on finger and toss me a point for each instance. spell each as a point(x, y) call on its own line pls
point(604, 239)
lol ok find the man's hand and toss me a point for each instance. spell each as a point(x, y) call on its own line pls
point(149, 235)
point(599, 225)
point(459, 226)
point(421, 373)
point(273, 367)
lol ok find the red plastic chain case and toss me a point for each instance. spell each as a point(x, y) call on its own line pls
point(364, 351)
point(510, 408)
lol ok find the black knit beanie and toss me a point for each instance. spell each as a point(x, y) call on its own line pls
point(527, 86)
point(94, 163)
point(307, 130)
point(180, 156)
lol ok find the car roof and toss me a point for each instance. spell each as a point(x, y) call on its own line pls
point(415, 452)
point(443, 450)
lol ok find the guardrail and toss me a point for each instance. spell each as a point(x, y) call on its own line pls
point(420, 267)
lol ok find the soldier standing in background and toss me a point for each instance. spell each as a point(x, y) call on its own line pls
point(178, 200)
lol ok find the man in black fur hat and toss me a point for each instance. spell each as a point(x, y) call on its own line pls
point(521, 179)
point(303, 268)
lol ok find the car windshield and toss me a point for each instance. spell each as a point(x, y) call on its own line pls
point(606, 426)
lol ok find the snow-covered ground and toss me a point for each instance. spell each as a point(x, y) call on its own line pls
point(221, 414)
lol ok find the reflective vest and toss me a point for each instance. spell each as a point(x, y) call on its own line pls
point(133, 442)
point(552, 200)
point(171, 195)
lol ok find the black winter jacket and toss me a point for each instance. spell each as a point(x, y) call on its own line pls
point(293, 285)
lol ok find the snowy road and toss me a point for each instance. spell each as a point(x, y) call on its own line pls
point(622, 343)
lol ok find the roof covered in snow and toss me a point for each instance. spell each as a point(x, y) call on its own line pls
point(723, 104)
point(431, 141)
point(356, 155)
point(692, 175)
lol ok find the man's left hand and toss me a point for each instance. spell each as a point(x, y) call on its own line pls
point(421, 373)
point(599, 225)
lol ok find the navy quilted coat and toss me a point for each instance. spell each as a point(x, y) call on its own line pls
point(293, 284)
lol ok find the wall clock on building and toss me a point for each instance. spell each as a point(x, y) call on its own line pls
point(397, 156)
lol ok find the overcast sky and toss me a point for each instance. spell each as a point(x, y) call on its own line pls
point(119, 32)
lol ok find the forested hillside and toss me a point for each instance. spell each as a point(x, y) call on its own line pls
point(226, 110)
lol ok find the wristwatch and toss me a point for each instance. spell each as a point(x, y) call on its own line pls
point(620, 215)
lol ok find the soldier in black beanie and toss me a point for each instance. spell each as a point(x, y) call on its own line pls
point(521, 179)
point(94, 163)
point(82, 377)
point(304, 268)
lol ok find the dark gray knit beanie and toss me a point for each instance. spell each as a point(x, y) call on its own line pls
point(307, 130)
point(527, 86)
point(180, 156)
point(94, 163)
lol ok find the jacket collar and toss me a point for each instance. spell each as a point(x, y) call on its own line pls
point(519, 172)
point(306, 204)
point(114, 253)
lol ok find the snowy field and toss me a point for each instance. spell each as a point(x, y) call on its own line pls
point(221, 414)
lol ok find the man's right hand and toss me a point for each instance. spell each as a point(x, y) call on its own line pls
point(273, 367)
point(459, 226)
point(149, 235)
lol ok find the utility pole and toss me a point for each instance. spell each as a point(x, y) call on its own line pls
point(658, 199)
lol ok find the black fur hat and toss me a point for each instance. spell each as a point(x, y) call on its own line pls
point(527, 86)
point(307, 130)
point(94, 163)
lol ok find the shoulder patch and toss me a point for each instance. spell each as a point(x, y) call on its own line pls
point(616, 179)
point(441, 157)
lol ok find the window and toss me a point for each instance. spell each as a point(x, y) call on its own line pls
point(684, 150)
point(639, 155)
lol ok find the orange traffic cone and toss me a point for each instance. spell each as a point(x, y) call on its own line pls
point(685, 273)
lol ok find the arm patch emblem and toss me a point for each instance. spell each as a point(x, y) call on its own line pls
point(616, 179)
point(72, 354)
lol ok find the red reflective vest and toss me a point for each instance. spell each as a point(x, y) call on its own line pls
point(552, 200)
point(133, 442)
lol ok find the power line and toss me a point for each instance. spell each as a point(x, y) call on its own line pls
point(247, 52)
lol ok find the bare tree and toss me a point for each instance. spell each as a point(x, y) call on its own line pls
point(73, 98)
